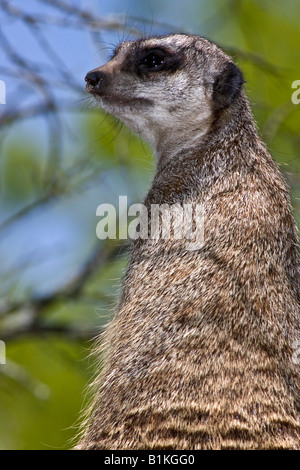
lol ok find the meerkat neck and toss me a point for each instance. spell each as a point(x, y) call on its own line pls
point(175, 141)
point(234, 126)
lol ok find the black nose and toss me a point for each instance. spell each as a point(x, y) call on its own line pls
point(95, 78)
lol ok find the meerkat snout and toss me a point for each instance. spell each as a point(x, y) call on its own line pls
point(95, 81)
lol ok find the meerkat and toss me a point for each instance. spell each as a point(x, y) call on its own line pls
point(199, 352)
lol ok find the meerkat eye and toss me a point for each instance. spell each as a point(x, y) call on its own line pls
point(153, 61)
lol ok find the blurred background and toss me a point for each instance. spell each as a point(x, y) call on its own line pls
point(61, 157)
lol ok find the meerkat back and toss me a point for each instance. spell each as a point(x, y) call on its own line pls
point(199, 354)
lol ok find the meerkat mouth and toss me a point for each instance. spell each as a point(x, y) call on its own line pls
point(121, 102)
point(97, 85)
point(107, 99)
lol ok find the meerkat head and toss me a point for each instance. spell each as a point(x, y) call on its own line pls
point(167, 88)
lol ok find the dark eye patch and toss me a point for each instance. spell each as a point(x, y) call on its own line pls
point(155, 60)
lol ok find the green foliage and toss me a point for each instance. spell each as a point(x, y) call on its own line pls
point(113, 146)
point(21, 173)
point(42, 392)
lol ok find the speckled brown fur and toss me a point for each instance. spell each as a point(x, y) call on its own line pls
point(199, 353)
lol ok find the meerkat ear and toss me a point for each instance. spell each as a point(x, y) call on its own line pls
point(226, 86)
